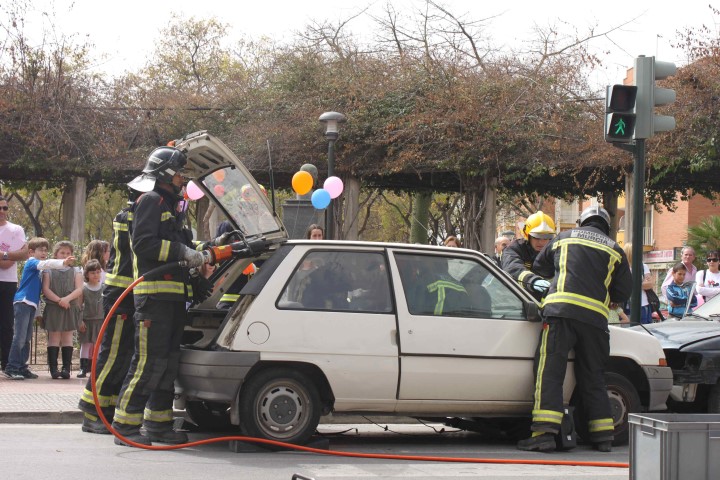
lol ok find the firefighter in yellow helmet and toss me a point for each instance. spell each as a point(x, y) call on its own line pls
point(518, 257)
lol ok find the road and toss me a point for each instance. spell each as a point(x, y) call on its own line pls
point(64, 452)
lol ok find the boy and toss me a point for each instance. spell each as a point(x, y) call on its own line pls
point(25, 303)
point(677, 294)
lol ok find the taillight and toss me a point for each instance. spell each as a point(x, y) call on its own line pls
point(662, 362)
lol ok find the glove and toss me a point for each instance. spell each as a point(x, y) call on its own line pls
point(194, 258)
point(223, 239)
point(202, 289)
point(541, 285)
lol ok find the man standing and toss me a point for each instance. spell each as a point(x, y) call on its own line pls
point(12, 249)
point(158, 237)
point(590, 272)
point(518, 257)
point(501, 244)
point(688, 257)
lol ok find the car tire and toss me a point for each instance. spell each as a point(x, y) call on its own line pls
point(624, 399)
point(210, 416)
point(714, 399)
point(281, 405)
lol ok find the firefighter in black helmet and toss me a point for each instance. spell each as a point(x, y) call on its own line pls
point(591, 271)
point(158, 237)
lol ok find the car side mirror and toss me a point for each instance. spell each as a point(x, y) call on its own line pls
point(532, 312)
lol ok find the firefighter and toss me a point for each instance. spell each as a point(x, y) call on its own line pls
point(158, 237)
point(591, 271)
point(517, 258)
point(116, 347)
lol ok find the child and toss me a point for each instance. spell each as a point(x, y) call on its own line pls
point(25, 304)
point(92, 314)
point(678, 294)
point(97, 250)
point(62, 290)
point(617, 315)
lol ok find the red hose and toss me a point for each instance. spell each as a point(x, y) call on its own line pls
point(240, 438)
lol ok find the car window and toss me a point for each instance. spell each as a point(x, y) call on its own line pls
point(447, 286)
point(344, 281)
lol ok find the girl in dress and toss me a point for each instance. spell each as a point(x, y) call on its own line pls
point(62, 290)
point(92, 314)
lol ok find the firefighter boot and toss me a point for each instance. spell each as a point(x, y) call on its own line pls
point(84, 368)
point(66, 362)
point(165, 434)
point(538, 442)
point(130, 432)
point(93, 424)
point(52, 355)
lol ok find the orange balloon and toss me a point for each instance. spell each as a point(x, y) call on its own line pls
point(302, 182)
point(219, 175)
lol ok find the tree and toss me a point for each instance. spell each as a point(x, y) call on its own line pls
point(705, 236)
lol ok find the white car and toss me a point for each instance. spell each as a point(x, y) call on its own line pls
point(374, 328)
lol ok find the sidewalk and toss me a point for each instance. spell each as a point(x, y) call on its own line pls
point(42, 400)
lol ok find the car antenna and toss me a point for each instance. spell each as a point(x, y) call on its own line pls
point(272, 179)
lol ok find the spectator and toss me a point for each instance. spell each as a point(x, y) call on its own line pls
point(678, 293)
point(12, 249)
point(617, 315)
point(708, 281)
point(92, 314)
point(645, 308)
point(315, 232)
point(62, 290)
point(98, 250)
point(688, 257)
point(501, 244)
point(452, 241)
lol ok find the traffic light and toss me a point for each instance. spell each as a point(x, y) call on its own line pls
point(620, 113)
point(647, 70)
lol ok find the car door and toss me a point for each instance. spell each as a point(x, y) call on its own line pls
point(468, 340)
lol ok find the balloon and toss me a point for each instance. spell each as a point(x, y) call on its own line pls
point(320, 198)
point(219, 190)
point(219, 175)
point(302, 182)
point(334, 186)
point(193, 191)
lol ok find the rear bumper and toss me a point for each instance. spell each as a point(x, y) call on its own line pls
point(213, 376)
point(660, 382)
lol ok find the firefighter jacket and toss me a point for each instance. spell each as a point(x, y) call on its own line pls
point(591, 271)
point(119, 268)
point(158, 236)
point(517, 260)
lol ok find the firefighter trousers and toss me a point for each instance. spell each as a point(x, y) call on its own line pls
point(148, 390)
point(592, 350)
point(113, 362)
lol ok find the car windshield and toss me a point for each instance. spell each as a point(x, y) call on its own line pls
point(240, 200)
point(710, 310)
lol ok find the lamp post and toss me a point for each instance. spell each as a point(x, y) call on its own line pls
point(331, 121)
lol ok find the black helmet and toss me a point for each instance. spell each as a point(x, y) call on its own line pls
point(161, 166)
point(594, 212)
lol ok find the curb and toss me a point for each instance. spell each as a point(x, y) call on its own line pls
point(42, 417)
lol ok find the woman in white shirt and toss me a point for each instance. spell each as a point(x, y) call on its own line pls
point(708, 281)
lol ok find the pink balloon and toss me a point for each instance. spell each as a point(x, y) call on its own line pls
point(193, 191)
point(334, 186)
point(219, 190)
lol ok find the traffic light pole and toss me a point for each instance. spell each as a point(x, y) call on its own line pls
point(638, 208)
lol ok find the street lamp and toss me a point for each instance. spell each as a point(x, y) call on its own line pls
point(331, 121)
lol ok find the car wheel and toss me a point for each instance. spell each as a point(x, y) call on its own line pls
point(211, 416)
point(281, 405)
point(624, 399)
point(714, 399)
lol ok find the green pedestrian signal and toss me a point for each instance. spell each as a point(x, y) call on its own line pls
point(620, 113)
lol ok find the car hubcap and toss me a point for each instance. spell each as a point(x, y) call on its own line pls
point(281, 410)
point(618, 408)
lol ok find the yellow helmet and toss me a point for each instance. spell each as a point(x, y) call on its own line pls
point(539, 225)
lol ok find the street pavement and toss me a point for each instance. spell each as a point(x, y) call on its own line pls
point(41, 400)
